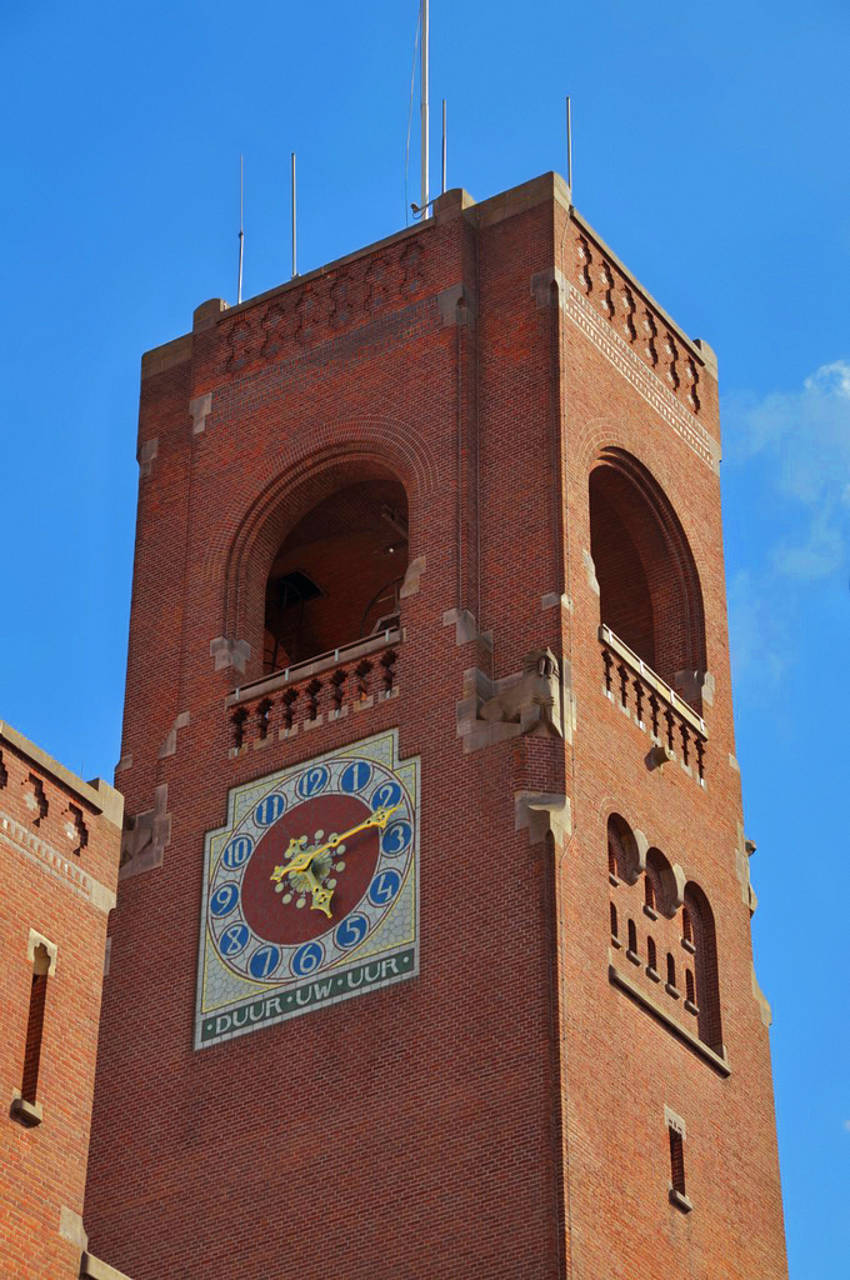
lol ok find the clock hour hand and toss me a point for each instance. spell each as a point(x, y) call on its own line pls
point(302, 859)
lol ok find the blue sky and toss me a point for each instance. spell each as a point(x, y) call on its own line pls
point(710, 152)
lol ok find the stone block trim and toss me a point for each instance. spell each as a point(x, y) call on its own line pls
point(146, 836)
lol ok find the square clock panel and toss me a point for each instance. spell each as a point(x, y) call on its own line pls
point(311, 890)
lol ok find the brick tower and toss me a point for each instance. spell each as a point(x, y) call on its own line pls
point(432, 955)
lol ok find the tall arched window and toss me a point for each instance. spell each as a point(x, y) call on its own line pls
point(648, 584)
point(705, 967)
point(623, 859)
point(336, 576)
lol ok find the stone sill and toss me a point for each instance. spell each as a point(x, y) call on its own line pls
point(92, 1268)
point(679, 1199)
point(26, 1113)
point(625, 983)
point(689, 946)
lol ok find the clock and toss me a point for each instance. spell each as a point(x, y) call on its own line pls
point(310, 890)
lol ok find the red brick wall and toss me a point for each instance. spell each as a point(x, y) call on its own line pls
point(503, 1114)
point(53, 890)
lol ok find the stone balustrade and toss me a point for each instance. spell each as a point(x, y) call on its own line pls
point(320, 691)
point(676, 729)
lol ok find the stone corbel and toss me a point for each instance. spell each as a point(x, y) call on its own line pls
point(414, 572)
point(228, 652)
point(541, 813)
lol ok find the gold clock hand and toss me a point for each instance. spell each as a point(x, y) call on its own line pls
point(379, 818)
point(303, 861)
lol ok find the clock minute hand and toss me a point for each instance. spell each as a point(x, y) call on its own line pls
point(303, 861)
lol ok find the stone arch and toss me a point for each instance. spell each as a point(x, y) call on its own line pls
point(310, 465)
point(625, 859)
point(650, 593)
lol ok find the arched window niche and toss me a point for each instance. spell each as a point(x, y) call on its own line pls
point(649, 589)
point(701, 922)
point(336, 574)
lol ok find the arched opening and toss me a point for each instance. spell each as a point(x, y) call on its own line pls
point(623, 857)
point(648, 584)
point(337, 574)
point(705, 967)
point(660, 884)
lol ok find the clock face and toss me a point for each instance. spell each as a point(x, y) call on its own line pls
point(310, 891)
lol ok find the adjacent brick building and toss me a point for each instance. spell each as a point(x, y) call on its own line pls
point(428, 738)
point(59, 848)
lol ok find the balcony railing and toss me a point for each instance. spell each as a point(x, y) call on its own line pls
point(311, 693)
point(653, 705)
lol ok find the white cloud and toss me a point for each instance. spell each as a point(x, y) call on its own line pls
point(802, 438)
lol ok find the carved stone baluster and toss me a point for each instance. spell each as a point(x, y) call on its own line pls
point(237, 720)
point(640, 694)
point(362, 671)
point(608, 663)
point(686, 742)
point(623, 673)
point(263, 712)
point(388, 661)
point(314, 688)
point(337, 682)
point(289, 700)
point(670, 721)
point(654, 708)
point(700, 745)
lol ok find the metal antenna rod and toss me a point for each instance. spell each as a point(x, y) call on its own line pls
point(569, 144)
point(294, 261)
point(424, 110)
point(241, 225)
point(444, 147)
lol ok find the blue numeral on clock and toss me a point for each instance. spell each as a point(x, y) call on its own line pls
point(264, 961)
point(312, 782)
point(352, 931)
point(224, 900)
point(237, 852)
point(384, 887)
point(233, 940)
point(396, 838)
point(307, 958)
point(386, 796)
point(270, 809)
point(355, 776)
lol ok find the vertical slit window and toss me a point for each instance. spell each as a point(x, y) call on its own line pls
point(677, 1160)
point(633, 946)
point(671, 970)
point(651, 957)
point(649, 892)
point(614, 932)
point(687, 927)
point(35, 1025)
point(690, 987)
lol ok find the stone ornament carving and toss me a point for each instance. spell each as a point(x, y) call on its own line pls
point(530, 701)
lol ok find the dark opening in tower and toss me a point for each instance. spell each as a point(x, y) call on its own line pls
point(648, 584)
point(337, 574)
